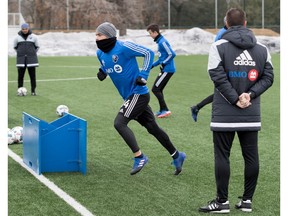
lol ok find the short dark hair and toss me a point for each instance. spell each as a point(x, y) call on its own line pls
point(153, 27)
point(235, 17)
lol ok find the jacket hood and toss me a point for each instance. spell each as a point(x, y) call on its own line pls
point(240, 36)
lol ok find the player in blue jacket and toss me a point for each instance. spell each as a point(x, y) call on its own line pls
point(118, 60)
point(195, 109)
point(167, 68)
point(221, 31)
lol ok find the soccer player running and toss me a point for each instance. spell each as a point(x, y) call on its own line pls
point(167, 68)
point(196, 108)
point(118, 60)
point(241, 70)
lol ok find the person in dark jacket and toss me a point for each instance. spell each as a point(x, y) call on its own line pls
point(241, 70)
point(167, 68)
point(26, 45)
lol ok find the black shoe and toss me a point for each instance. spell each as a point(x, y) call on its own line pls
point(244, 205)
point(33, 94)
point(194, 111)
point(216, 207)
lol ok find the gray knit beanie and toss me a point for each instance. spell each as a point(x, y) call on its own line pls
point(107, 29)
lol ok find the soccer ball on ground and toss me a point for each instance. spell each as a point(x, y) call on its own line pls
point(61, 109)
point(22, 91)
point(11, 137)
point(18, 134)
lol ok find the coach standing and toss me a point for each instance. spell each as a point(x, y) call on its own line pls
point(241, 70)
point(26, 45)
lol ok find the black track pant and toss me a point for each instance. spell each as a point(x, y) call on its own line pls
point(136, 107)
point(158, 87)
point(32, 75)
point(222, 146)
point(206, 101)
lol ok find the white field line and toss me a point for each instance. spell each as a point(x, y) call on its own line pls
point(62, 194)
point(54, 80)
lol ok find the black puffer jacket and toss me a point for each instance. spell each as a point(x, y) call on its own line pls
point(26, 47)
point(237, 64)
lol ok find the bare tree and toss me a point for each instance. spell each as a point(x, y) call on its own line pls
point(87, 14)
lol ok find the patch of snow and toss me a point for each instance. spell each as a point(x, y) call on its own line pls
point(184, 42)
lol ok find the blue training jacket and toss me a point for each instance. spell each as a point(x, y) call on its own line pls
point(166, 55)
point(121, 65)
point(220, 33)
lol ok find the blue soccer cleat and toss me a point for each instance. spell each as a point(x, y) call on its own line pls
point(139, 163)
point(157, 113)
point(194, 111)
point(164, 114)
point(178, 162)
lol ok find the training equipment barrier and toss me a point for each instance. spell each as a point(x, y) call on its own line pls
point(58, 146)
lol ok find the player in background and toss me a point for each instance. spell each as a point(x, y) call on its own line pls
point(118, 60)
point(221, 31)
point(196, 108)
point(167, 68)
point(26, 45)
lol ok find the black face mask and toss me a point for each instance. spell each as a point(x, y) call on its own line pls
point(107, 44)
point(156, 38)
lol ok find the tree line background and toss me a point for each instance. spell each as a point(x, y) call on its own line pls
point(137, 14)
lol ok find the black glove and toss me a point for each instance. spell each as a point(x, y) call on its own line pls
point(140, 81)
point(101, 75)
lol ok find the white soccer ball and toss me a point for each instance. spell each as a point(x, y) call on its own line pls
point(18, 133)
point(11, 137)
point(22, 91)
point(61, 109)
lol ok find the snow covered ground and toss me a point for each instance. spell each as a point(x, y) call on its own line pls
point(184, 42)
